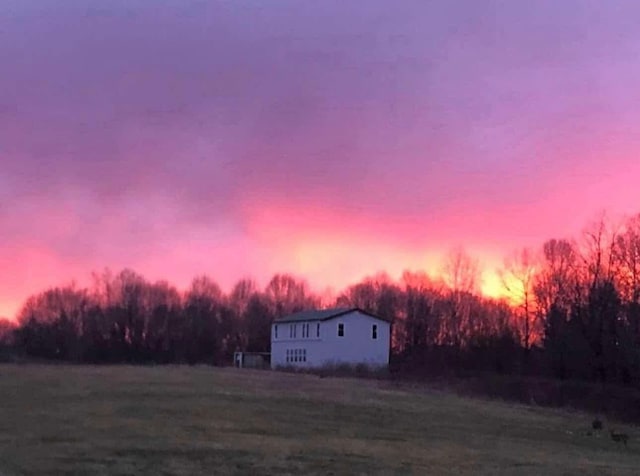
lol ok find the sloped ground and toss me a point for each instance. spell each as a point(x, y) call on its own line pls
point(59, 420)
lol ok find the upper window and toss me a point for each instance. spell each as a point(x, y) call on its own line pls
point(275, 331)
point(374, 331)
point(318, 330)
point(340, 330)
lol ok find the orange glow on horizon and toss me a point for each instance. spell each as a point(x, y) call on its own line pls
point(9, 309)
point(330, 263)
point(492, 286)
point(335, 260)
point(329, 249)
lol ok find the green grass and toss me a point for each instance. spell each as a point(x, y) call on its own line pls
point(61, 420)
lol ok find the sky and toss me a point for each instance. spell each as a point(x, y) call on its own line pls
point(330, 139)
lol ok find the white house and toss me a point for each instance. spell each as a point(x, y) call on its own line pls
point(330, 336)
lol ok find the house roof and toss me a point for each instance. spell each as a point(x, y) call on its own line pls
point(324, 314)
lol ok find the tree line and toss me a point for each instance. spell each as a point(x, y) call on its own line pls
point(122, 317)
point(571, 310)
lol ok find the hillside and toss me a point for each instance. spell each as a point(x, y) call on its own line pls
point(202, 420)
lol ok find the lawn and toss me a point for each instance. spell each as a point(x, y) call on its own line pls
point(60, 420)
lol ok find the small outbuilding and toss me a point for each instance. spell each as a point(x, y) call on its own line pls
point(252, 360)
point(330, 337)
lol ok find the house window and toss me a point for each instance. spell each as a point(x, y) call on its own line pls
point(318, 330)
point(294, 330)
point(275, 331)
point(374, 331)
point(290, 331)
point(304, 355)
point(340, 330)
point(288, 354)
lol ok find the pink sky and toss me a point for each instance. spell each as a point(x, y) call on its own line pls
point(327, 139)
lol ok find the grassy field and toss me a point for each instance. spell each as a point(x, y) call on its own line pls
point(197, 420)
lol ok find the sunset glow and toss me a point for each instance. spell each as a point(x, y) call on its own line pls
point(326, 141)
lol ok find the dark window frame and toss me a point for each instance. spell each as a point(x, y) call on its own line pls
point(340, 329)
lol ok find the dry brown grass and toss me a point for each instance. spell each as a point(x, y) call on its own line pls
point(198, 420)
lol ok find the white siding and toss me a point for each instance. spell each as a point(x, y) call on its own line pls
point(356, 346)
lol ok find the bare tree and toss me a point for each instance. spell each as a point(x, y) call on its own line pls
point(461, 274)
point(362, 295)
point(627, 254)
point(556, 278)
point(518, 277)
point(598, 251)
point(419, 322)
point(288, 294)
point(202, 308)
